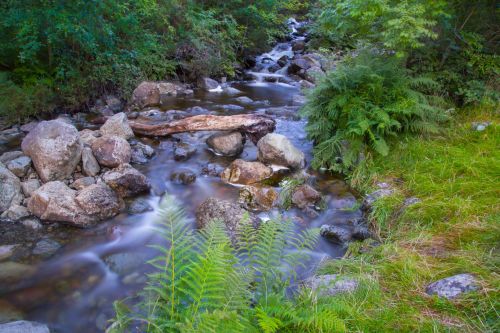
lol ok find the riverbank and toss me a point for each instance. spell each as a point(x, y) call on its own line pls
point(440, 219)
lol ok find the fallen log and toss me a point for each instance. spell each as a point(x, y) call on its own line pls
point(252, 125)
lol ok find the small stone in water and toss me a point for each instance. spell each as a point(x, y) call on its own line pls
point(46, 247)
point(183, 177)
point(183, 151)
point(139, 206)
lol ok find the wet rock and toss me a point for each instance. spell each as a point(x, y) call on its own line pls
point(6, 251)
point(10, 189)
point(453, 286)
point(245, 173)
point(10, 155)
point(304, 84)
point(82, 183)
point(331, 285)
point(230, 213)
point(232, 107)
point(283, 61)
point(288, 112)
point(32, 223)
point(232, 91)
point(344, 233)
point(212, 169)
point(277, 149)
point(305, 196)
point(111, 151)
point(29, 186)
point(46, 248)
point(23, 326)
point(126, 181)
point(183, 151)
point(90, 166)
point(99, 201)
point(117, 125)
point(15, 213)
point(26, 128)
point(244, 100)
point(88, 136)
point(141, 153)
point(126, 262)
point(299, 66)
point(258, 198)
point(183, 177)
point(298, 45)
point(139, 206)
point(55, 149)
point(9, 313)
point(298, 99)
point(384, 191)
point(14, 272)
point(207, 84)
point(226, 144)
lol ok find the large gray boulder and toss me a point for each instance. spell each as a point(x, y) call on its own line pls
point(23, 326)
point(226, 144)
point(152, 93)
point(245, 173)
point(10, 189)
point(55, 149)
point(126, 181)
point(111, 151)
point(56, 202)
point(207, 83)
point(277, 149)
point(451, 287)
point(117, 125)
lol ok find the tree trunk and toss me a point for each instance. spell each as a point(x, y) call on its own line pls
point(254, 126)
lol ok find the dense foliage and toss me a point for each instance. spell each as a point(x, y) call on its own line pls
point(452, 44)
point(61, 53)
point(206, 283)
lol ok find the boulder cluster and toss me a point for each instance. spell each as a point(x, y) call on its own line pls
point(70, 176)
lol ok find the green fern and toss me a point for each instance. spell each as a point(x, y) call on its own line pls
point(367, 101)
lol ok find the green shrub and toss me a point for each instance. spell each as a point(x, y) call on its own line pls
point(365, 102)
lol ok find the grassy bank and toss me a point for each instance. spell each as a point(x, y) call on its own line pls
point(453, 229)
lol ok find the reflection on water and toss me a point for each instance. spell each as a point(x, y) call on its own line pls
point(74, 290)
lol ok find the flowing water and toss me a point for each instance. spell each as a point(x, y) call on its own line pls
point(73, 289)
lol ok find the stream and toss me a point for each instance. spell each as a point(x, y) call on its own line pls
point(73, 289)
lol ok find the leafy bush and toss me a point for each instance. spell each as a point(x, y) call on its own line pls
point(366, 101)
point(205, 283)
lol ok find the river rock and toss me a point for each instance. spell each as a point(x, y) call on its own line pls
point(207, 83)
point(81, 183)
point(126, 181)
point(230, 213)
point(23, 326)
point(314, 74)
point(244, 100)
point(19, 166)
point(10, 155)
point(245, 173)
point(258, 198)
point(32, 223)
point(6, 251)
point(99, 201)
point(88, 136)
point(277, 149)
point(29, 186)
point(90, 166)
point(117, 125)
point(451, 287)
point(141, 153)
point(146, 94)
point(55, 149)
point(298, 45)
point(56, 202)
point(46, 248)
point(183, 151)
point(331, 284)
point(139, 206)
point(212, 169)
point(10, 189)
point(226, 144)
point(344, 233)
point(111, 151)
point(305, 196)
point(15, 213)
point(113, 103)
point(183, 177)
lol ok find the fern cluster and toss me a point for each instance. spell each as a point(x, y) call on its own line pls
point(205, 284)
point(367, 100)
